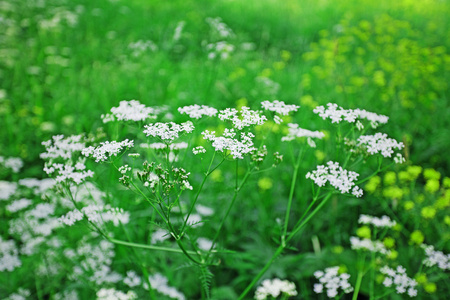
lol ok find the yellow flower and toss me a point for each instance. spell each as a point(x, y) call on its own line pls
point(414, 171)
point(265, 183)
point(363, 232)
point(390, 178)
point(417, 237)
point(389, 242)
point(432, 186)
point(431, 174)
point(428, 212)
point(408, 205)
point(430, 287)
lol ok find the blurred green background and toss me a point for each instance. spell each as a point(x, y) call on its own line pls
point(64, 63)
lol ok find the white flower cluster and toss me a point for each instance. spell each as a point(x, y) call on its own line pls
point(219, 27)
point(132, 279)
point(337, 114)
point(227, 142)
point(13, 163)
point(106, 149)
point(131, 110)
point(141, 46)
point(60, 148)
point(8, 189)
point(198, 150)
point(436, 258)
point(379, 143)
point(367, 244)
point(113, 294)
point(204, 244)
point(338, 177)
point(274, 288)
point(384, 221)
point(221, 49)
point(9, 256)
point(96, 214)
point(398, 279)
point(160, 235)
point(296, 132)
point(18, 205)
point(247, 117)
point(168, 131)
point(332, 282)
point(20, 294)
point(198, 111)
point(279, 107)
point(161, 146)
point(160, 283)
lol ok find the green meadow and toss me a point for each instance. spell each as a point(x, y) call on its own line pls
point(65, 64)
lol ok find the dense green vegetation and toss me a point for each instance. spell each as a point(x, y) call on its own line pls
point(63, 64)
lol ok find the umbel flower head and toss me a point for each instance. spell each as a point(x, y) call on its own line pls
point(332, 281)
point(243, 118)
point(196, 111)
point(131, 110)
point(274, 288)
point(168, 132)
point(338, 177)
point(337, 114)
point(296, 132)
point(106, 150)
point(228, 142)
point(280, 108)
point(379, 143)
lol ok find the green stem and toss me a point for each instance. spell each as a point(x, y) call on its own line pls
point(143, 246)
point(149, 201)
point(359, 280)
point(291, 196)
point(281, 247)
point(228, 212)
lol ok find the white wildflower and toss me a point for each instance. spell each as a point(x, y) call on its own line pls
point(204, 244)
point(274, 288)
point(160, 235)
point(218, 27)
point(338, 177)
point(379, 143)
point(106, 150)
point(399, 280)
point(279, 107)
point(237, 147)
point(337, 114)
point(436, 258)
point(19, 205)
point(131, 110)
point(7, 189)
point(132, 279)
point(198, 150)
point(296, 132)
point(13, 163)
point(160, 284)
point(243, 118)
point(399, 159)
point(9, 256)
point(113, 294)
point(196, 111)
point(367, 244)
point(332, 281)
point(168, 131)
point(220, 50)
point(384, 221)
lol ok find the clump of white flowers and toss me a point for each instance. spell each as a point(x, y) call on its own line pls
point(337, 114)
point(399, 279)
point(113, 294)
point(18, 205)
point(106, 150)
point(243, 118)
point(167, 132)
point(369, 245)
point(160, 284)
point(9, 256)
point(197, 111)
point(280, 108)
point(198, 150)
point(384, 221)
point(332, 281)
point(237, 147)
point(131, 110)
point(13, 163)
point(141, 46)
point(436, 258)
point(218, 27)
point(96, 214)
point(296, 132)
point(274, 288)
point(220, 49)
point(338, 177)
point(59, 156)
point(132, 279)
point(379, 143)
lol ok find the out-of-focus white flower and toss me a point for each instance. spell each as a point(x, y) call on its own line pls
point(198, 111)
point(397, 278)
point(337, 114)
point(279, 107)
point(436, 258)
point(296, 132)
point(168, 131)
point(274, 288)
point(332, 281)
point(384, 221)
point(106, 150)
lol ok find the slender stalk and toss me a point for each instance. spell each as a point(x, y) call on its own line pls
point(359, 280)
point(281, 247)
point(150, 247)
point(228, 211)
point(291, 196)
